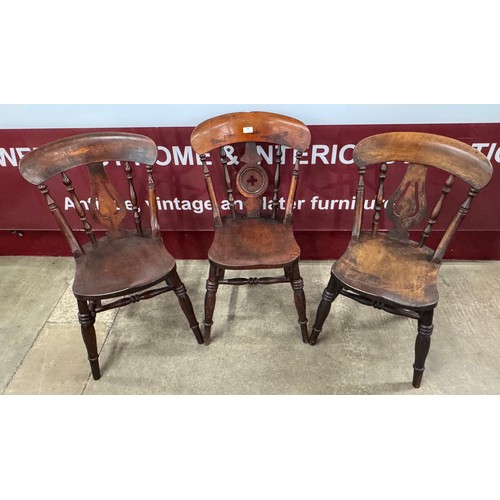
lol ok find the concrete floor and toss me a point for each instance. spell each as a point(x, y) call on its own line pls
point(148, 348)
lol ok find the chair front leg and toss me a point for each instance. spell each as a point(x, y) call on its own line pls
point(422, 345)
point(87, 320)
point(215, 273)
point(185, 303)
point(299, 297)
point(330, 293)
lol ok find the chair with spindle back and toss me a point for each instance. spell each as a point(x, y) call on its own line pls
point(252, 236)
point(388, 270)
point(126, 262)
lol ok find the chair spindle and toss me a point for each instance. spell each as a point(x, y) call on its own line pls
point(79, 209)
point(61, 221)
point(133, 197)
point(293, 187)
point(380, 198)
point(454, 225)
point(360, 195)
point(153, 207)
point(211, 192)
point(276, 180)
point(437, 210)
point(229, 187)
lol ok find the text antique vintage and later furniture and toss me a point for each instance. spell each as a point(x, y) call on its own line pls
point(125, 262)
point(388, 270)
point(252, 236)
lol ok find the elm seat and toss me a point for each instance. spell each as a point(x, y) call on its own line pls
point(378, 266)
point(113, 267)
point(253, 243)
point(390, 271)
point(125, 263)
point(252, 236)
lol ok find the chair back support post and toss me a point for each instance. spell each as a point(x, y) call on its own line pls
point(79, 209)
point(75, 247)
point(436, 211)
point(293, 188)
point(133, 197)
point(276, 181)
point(380, 198)
point(453, 226)
point(227, 178)
point(211, 192)
point(360, 195)
point(153, 207)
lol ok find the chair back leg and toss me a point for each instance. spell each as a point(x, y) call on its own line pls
point(422, 345)
point(215, 273)
point(297, 283)
point(185, 302)
point(87, 320)
point(330, 293)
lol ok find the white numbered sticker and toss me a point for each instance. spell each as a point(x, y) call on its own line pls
point(248, 130)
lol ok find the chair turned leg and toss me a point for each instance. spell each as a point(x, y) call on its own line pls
point(185, 303)
point(299, 297)
point(330, 293)
point(87, 320)
point(214, 275)
point(422, 345)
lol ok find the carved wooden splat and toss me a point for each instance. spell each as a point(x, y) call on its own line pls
point(407, 206)
point(106, 206)
point(252, 179)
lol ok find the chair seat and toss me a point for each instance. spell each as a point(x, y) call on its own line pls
point(118, 266)
point(257, 243)
point(396, 272)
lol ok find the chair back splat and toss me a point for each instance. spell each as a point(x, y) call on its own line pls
point(252, 149)
point(126, 262)
point(386, 268)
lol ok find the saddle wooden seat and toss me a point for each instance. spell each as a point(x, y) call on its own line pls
point(378, 266)
point(120, 266)
point(254, 244)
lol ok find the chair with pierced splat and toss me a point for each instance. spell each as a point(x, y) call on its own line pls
point(124, 263)
point(256, 236)
point(388, 270)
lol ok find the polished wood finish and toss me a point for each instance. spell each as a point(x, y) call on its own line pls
point(126, 263)
point(254, 126)
point(255, 237)
point(386, 269)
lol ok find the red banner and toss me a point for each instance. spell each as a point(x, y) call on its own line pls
point(324, 200)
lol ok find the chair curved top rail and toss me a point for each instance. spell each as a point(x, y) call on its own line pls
point(56, 157)
point(253, 126)
point(446, 153)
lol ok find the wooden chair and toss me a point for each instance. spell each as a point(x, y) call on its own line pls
point(253, 235)
point(125, 262)
point(388, 270)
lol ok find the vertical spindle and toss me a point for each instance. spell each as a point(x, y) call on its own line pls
point(229, 187)
point(454, 225)
point(79, 209)
point(61, 221)
point(379, 201)
point(360, 194)
point(276, 180)
point(153, 207)
point(133, 197)
point(293, 188)
point(211, 192)
point(437, 210)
